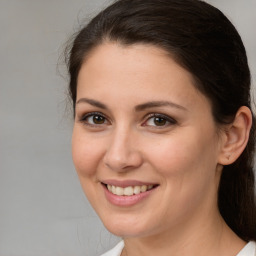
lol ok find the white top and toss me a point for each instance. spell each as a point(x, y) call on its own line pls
point(248, 250)
point(116, 251)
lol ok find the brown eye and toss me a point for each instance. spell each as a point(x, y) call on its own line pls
point(94, 119)
point(98, 119)
point(159, 121)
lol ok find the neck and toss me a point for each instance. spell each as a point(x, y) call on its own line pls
point(199, 238)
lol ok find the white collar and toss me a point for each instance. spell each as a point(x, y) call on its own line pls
point(248, 250)
point(116, 251)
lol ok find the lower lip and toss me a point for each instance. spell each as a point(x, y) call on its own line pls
point(126, 200)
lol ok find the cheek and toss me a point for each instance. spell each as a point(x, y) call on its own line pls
point(187, 167)
point(86, 154)
point(86, 157)
point(186, 154)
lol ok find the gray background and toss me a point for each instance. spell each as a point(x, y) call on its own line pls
point(42, 208)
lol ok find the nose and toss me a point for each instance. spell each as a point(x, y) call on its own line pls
point(123, 153)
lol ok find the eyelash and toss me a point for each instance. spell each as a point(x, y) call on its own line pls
point(166, 119)
point(85, 118)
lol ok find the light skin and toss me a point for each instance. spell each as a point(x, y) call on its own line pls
point(139, 117)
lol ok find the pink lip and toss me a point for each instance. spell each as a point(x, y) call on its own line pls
point(126, 200)
point(126, 183)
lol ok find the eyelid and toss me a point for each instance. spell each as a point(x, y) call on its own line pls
point(169, 119)
point(83, 118)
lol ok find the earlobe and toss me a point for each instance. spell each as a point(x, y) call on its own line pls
point(236, 136)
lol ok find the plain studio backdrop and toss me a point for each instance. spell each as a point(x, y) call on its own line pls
point(43, 211)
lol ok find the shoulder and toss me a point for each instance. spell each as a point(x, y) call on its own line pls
point(248, 250)
point(116, 251)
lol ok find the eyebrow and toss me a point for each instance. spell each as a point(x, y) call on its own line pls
point(92, 102)
point(141, 107)
point(153, 104)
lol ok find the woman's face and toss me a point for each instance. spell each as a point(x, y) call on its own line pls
point(141, 125)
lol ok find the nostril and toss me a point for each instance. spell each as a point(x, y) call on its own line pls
point(121, 162)
point(121, 155)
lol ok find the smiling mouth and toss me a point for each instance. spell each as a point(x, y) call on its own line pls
point(130, 190)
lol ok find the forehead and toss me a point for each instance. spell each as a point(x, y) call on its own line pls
point(138, 72)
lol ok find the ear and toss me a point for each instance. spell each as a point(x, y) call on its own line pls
point(235, 136)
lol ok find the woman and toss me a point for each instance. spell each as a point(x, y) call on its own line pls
point(163, 137)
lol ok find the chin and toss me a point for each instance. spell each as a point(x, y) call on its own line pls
point(127, 226)
point(126, 232)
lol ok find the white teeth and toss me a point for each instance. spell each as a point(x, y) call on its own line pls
point(136, 190)
point(128, 191)
point(119, 191)
point(143, 188)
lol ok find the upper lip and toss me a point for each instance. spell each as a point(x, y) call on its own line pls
point(126, 183)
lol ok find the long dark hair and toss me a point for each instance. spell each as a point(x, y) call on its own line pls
point(202, 40)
